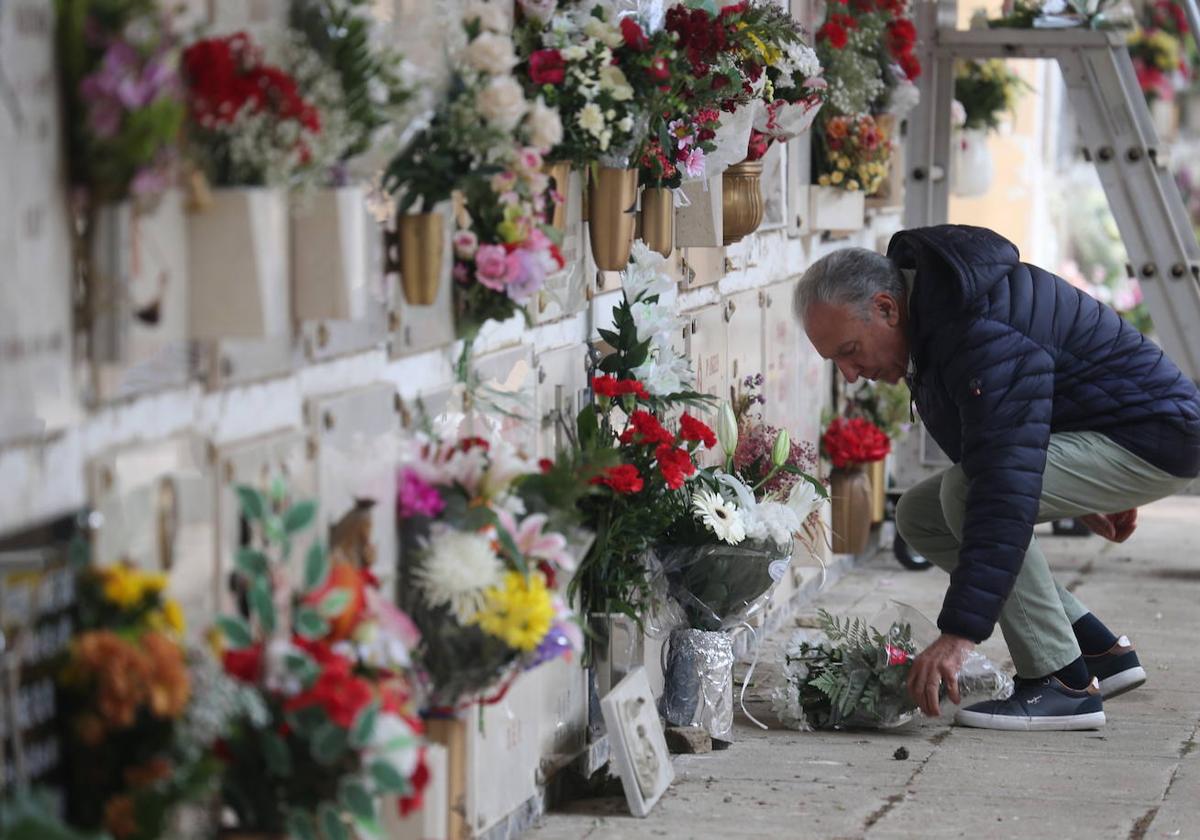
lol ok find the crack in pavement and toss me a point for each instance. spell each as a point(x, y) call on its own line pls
point(1138, 832)
point(896, 798)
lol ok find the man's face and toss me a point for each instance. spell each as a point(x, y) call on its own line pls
point(875, 348)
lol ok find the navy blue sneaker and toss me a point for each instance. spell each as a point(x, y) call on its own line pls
point(1037, 706)
point(1117, 669)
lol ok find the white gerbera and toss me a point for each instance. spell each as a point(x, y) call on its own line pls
point(719, 516)
point(458, 568)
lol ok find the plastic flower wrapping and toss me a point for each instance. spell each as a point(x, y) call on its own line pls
point(133, 753)
point(854, 674)
point(319, 644)
point(485, 145)
point(480, 574)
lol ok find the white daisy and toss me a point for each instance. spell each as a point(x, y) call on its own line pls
point(458, 568)
point(720, 516)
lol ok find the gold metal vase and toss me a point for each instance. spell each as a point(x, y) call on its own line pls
point(612, 212)
point(877, 471)
point(420, 237)
point(560, 173)
point(741, 200)
point(658, 219)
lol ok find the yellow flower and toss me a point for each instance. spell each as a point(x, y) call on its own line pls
point(843, 162)
point(122, 586)
point(852, 184)
point(153, 582)
point(823, 180)
point(837, 177)
point(520, 613)
point(174, 616)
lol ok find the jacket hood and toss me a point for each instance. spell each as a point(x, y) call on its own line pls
point(959, 260)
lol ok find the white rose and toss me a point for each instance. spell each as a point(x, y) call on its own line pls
point(545, 126)
point(574, 53)
point(502, 102)
point(491, 16)
point(539, 10)
point(491, 54)
point(612, 79)
point(591, 119)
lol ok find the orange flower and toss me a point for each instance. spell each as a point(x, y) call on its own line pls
point(837, 128)
point(119, 817)
point(120, 672)
point(169, 686)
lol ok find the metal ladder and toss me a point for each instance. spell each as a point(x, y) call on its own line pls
point(1116, 133)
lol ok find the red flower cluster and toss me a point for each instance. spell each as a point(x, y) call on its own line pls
point(675, 464)
point(645, 430)
point(854, 441)
point(611, 387)
point(337, 690)
point(634, 36)
point(547, 67)
point(692, 429)
point(836, 29)
point(1169, 15)
point(901, 39)
point(701, 36)
point(224, 75)
point(623, 478)
point(245, 664)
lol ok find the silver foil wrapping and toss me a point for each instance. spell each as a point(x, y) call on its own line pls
point(698, 682)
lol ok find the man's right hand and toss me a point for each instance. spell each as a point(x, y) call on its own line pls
point(1117, 527)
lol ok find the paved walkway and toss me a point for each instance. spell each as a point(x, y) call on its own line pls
point(1139, 777)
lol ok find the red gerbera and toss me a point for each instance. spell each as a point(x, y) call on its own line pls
point(692, 429)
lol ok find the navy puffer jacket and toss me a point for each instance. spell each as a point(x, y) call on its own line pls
point(1004, 354)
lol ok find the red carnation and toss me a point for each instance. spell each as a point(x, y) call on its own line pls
point(692, 429)
point(611, 387)
point(833, 33)
point(645, 430)
point(547, 67)
point(910, 65)
point(901, 35)
point(731, 10)
point(675, 464)
point(545, 465)
point(245, 664)
point(635, 37)
point(624, 479)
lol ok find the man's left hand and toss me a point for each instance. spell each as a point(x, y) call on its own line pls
point(939, 663)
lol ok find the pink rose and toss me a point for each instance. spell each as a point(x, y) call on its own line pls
point(465, 243)
point(491, 268)
point(531, 159)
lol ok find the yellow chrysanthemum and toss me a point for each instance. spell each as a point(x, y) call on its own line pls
point(122, 586)
point(519, 613)
point(837, 178)
point(153, 582)
point(174, 616)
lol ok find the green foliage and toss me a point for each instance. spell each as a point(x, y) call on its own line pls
point(29, 815)
point(987, 90)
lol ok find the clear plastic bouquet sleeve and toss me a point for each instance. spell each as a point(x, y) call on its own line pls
point(717, 586)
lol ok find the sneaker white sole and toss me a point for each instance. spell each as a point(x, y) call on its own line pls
point(1122, 682)
point(1013, 723)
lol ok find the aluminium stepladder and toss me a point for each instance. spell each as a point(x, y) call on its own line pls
point(1117, 135)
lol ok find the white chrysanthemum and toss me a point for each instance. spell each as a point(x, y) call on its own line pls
point(591, 119)
point(785, 702)
point(491, 53)
point(719, 516)
point(802, 60)
point(771, 521)
point(458, 568)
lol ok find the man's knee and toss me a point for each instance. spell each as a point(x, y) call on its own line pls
point(953, 497)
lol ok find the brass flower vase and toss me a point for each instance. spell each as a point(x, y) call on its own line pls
point(877, 472)
point(420, 237)
point(658, 219)
point(741, 200)
point(612, 212)
point(559, 173)
point(850, 502)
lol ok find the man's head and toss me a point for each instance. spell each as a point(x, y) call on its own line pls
point(854, 308)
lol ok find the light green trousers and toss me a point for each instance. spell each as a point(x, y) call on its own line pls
point(1085, 473)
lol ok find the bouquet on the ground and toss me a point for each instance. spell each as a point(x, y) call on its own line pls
point(479, 573)
point(249, 122)
point(125, 104)
point(327, 730)
point(853, 674)
point(721, 557)
point(848, 442)
point(135, 748)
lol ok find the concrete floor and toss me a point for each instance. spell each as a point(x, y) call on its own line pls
point(1139, 777)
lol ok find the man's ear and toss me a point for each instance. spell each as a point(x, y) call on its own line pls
point(888, 307)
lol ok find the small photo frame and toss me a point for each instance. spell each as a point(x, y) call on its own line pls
point(636, 738)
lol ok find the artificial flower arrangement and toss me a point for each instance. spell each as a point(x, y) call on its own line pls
point(329, 731)
point(137, 746)
point(986, 90)
point(125, 102)
point(856, 151)
point(355, 80)
point(480, 573)
point(1161, 60)
point(676, 152)
point(853, 675)
point(249, 123)
point(608, 78)
point(486, 142)
point(850, 442)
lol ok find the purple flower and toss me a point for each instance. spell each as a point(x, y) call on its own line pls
point(563, 639)
point(526, 274)
point(151, 180)
point(416, 497)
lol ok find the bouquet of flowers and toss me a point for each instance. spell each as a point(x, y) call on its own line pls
point(854, 675)
point(866, 48)
point(480, 575)
point(855, 153)
point(606, 77)
point(1158, 62)
point(120, 67)
point(676, 151)
point(486, 141)
point(129, 698)
point(855, 440)
point(328, 730)
point(986, 90)
point(354, 80)
point(249, 124)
